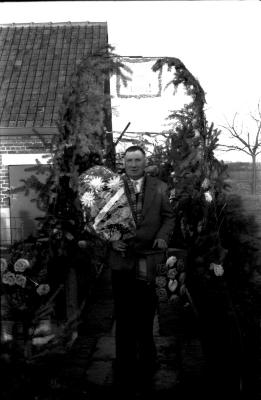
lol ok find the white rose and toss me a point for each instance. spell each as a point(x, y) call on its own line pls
point(171, 261)
point(8, 278)
point(217, 268)
point(20, 280)
point(21, 265)
point(208, 197)
point(43, 289)
point(172, 285)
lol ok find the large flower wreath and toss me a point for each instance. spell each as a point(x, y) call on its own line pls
point(105, 205)
point(23, 290)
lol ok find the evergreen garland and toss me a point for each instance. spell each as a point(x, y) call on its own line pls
point(200, 194)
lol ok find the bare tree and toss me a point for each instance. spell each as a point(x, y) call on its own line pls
point(246, 142)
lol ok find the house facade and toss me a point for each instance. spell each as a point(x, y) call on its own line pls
point(36, 64)
point(146, 101)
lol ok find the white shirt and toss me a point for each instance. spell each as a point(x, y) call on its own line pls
point(137, 183)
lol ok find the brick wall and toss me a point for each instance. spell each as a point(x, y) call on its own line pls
point(17, 145)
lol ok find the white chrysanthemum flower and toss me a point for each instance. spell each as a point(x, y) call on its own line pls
point(88, 199)
point(21, 265)
point(20, 280)
point(114, 182)
point(3, 265)
point(208, 197)
point(96, 183)
point(205, 184)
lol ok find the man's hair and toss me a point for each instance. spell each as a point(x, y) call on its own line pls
point(134, 148)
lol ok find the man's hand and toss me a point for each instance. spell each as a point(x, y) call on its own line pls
point(160, 244)
point(118, 245)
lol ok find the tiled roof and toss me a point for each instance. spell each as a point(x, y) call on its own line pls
point(36, 62)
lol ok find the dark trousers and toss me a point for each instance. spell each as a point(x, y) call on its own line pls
point(135, 304)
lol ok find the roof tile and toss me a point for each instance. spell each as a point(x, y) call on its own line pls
point(36, 61)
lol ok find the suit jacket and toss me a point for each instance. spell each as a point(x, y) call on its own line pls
point(157, 222)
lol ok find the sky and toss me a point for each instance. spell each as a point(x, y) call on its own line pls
point(218, 41)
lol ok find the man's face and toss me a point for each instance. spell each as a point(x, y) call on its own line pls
point(135, 163)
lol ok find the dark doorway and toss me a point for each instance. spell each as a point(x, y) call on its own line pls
point(22, 210)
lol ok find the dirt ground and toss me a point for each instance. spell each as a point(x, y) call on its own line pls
point(85, 371)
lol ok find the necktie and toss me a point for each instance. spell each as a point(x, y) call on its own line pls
point(136, 191)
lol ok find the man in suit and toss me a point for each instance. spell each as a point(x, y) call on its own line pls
point(135, 300)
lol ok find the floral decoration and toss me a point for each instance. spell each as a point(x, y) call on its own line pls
point(217, 268)
point(23, 289)
point(170, 280)
point(105, 205)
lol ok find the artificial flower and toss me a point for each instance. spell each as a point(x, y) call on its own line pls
point(171, 261)
point(174, 298)
point(43, 289)
point(21, 265)
point(172, 194)
point(217, 268)
point(20, 280)
point(44, 328)
point(172, 273)
point(208, 197)
point(125, 212)
point(182, 277)
point(3, 265)
point(6, 337)
point(205, 184)
point(114, 183)
point(182, 290)
point(88, 199)
point(69, 236)
point(107, 210)
point(162, 269)
point(96, 183)
point(8, 278)
point(41, 340)
point(171, 278)
point(180, 265)
point(162, 294)
point(172, 285)
point(161, 281)
point(82, 244)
